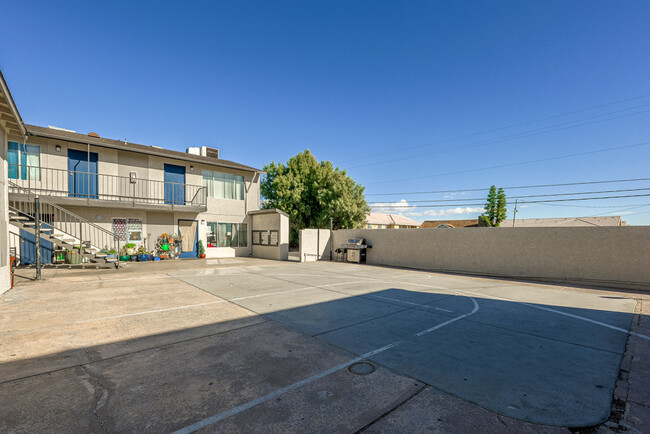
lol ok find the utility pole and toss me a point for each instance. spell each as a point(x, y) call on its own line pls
point(37, 236)
point(514, 217)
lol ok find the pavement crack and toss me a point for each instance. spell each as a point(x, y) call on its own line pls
point(382, 416)
point(501, 420)
point(97, 389)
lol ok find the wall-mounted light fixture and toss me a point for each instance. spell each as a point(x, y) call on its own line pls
point(58, 148)
point(202, 222)
point(191, 168)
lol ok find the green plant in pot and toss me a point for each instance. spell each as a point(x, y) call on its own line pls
point(73, 256)
point(201, 249)
point(130, 249)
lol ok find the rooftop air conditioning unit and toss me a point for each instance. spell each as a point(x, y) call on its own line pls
point(203, 151)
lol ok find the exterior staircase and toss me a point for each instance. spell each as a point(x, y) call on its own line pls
point(61, 227)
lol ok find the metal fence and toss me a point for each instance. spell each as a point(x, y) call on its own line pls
point(54, 217)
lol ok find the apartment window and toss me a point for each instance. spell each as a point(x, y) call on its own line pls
point(223, 185)
point(24, 161)
point(227, 234)
point(369, 226)
point(134, 229)
point(127, 229)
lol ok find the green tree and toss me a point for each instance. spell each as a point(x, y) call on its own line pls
point(495, 208)
point(312, 192)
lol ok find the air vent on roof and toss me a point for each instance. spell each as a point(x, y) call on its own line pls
point(210, 152)
point(93, 135)
point(60, 129)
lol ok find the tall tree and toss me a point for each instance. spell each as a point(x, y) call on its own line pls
point(311, 192)
point(495, 207)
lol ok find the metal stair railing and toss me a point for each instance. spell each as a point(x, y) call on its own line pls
point(88, 234)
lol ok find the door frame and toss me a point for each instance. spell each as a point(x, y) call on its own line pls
point(195, 252)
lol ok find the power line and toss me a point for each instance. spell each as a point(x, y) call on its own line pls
point(402, 149)
point(516, 163)
point(527, 202)
point(512, 187)
point(520, 135)
point(537, 195)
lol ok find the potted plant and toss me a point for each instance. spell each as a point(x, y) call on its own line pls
point(142, 254)
point(123, 256)
point(73, 256)
point(130, 249)
point(111, 254)
point(201, 249)
point(150, 256)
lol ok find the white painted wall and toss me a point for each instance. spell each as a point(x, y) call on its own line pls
point(314, 245)
point(603, 256)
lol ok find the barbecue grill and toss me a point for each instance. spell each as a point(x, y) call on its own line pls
point(356, 249)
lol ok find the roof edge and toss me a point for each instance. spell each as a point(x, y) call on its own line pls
point(12, 104)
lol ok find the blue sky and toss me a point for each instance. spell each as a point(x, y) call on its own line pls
point(408, 96)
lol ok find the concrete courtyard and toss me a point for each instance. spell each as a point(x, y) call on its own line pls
point(243, 345)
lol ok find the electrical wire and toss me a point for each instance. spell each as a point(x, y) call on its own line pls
point(402, 149)
point(538, 195)
point(518, 163)
point(523, 134)
point(526, 202)
point(512, 187)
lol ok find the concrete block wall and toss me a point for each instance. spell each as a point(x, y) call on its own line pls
point(603, 256)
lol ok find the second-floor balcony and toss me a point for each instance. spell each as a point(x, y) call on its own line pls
point(87, 188)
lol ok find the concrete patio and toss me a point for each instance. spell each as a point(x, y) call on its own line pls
point(245, 345)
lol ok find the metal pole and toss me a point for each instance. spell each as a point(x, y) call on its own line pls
point(514, 217)
point(331, 239)
point(37, 232)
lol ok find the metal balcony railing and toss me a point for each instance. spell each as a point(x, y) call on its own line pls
point(68, 183)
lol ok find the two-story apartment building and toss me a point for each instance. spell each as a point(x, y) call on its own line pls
point(108, 192)
point(139, 192)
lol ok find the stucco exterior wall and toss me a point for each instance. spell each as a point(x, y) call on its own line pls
point(314, 245)
point(272, 221)
point(5, 279)
point(122, 163)
point(603, 256)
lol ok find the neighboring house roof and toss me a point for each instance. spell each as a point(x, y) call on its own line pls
point(450, 223)
point(9, 116)
point(378, 218)
point(570, 221)
point(52, 133)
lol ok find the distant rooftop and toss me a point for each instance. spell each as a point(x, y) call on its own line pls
point(473, 223)
point(568, 222)
point(378, 218)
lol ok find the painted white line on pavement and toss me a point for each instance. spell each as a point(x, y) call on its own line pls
point(262, 399)
point(149, 311)
point(559, 312)
point(294, 290)
point(411, 303)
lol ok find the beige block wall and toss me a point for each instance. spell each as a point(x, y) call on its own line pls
point(5, 279)
point(604, 256)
